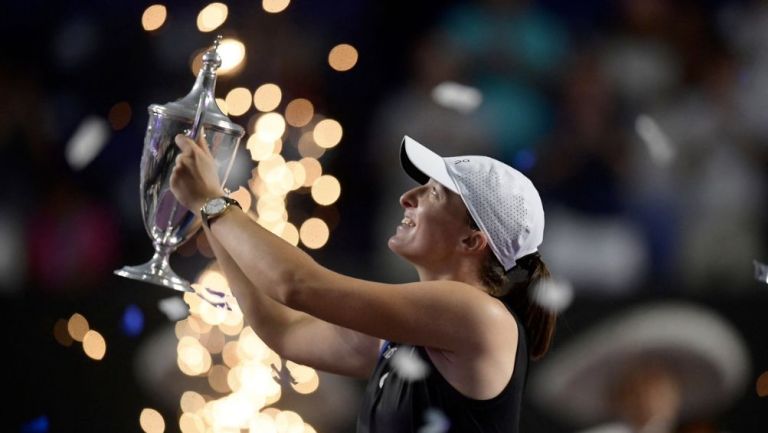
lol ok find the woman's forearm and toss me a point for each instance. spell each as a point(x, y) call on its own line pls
point(269, 318)
point(267, 261)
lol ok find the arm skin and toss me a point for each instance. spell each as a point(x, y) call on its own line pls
point(295, 335)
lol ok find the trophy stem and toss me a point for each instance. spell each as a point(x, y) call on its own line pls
point(157, 271)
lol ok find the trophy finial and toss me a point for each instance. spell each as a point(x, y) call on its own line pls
point(211, 58)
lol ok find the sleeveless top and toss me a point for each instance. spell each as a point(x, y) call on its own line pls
point(401, 398)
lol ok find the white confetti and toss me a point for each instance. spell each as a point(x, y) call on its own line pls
point(553, 295)
point(87, 142)
point(408, 364)
point(761, 272)
point(174, 308)
point(435, 422)
point(459, 97)
point(658, 143)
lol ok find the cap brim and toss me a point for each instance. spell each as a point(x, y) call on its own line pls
point(422, 164)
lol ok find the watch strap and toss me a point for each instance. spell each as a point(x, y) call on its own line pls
point(207, 219)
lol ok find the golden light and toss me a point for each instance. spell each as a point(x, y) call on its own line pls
point(298, 172)
point(222, 105)
point(233, 324)
point(61, 334)
point(308, 386)
point(260, 149)
point(262, 423)
point(191, 423)
point(307, 146)
point(301, 373)
point(213, 279)
point(119, 115)
point(342, 57)
point(77, 326)
point(289, 421)
point(290, 234)
point(230, 354)
point(270, 208)
point(312, 170)
point(212, 315)
point(151, 421)
point(238, 101)
point(232, 54)
point(153, 17)
point(327, 133)
point(299, 112)
point(217, 378)
point(762, 384)
point(183, 329)
point(314, 233)
point(275, 6)
point(309, 429)
point(198, 324)
point(192, 358)
point(251, 346)
point(326, 190)
point(267, 166)
point(213, 341)
point(267, 97)
point(191, 401)
point(243, 196)
point(94, 345)
point(211, 17)
point(270, 126)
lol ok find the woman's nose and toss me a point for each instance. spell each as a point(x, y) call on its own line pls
point(408, 199)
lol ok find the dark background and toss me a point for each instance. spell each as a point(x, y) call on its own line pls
point(563, 85)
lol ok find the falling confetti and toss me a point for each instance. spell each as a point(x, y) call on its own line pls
point(409, 365)
point(174, 308)
point(762, 385)
point(761, 272)
point(435, 422)
point(553, 295)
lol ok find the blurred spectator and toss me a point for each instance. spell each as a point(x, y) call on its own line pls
point(580, 174)
point(662, 367)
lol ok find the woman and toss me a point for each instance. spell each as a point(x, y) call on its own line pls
point(471, 230)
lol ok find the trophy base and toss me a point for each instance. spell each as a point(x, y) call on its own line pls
point(149, 273)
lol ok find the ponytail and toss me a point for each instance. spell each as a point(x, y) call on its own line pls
point(515, 288)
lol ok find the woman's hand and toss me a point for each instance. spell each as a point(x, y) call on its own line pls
point(195, 176)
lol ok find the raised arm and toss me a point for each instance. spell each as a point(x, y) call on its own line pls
point(296, 335)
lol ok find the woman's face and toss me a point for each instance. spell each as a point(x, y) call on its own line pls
point(434, 222)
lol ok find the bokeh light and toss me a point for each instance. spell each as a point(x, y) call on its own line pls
point(191, 401)
point(312, 170)
point(151, 421)
point(153, 17)
point(275, 6)
point(243, 196)
point(327, 133)
point(314, 233)
point(299, 112)
point(307, 146)
point(270, 126)
point(94, 345)
point(232, 54)
point(238, 101)
point(290, 234)
point(326, 190)
point(342, 57)
point(77, 326)
point(267, 97)
point(61, 334)
point(222, 104)
point(217, 379)
point(191, 423)
point(260, 149)
point(211, 17)
point(119, 115)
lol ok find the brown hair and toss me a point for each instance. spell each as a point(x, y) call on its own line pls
point(515, 288)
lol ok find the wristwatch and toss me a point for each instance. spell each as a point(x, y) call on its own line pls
point(216, 207)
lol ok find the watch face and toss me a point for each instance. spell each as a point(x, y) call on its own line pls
point(215, 205)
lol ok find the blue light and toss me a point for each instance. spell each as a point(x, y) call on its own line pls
point(133, 321)
point(524, 160)
point(37, 425)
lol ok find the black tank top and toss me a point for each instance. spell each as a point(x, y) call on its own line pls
point(394, 404)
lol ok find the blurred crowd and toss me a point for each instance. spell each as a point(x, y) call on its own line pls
point(640, 121)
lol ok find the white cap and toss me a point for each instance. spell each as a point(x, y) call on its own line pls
point(502, 201)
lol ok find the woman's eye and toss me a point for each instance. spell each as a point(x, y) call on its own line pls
point(434, 192)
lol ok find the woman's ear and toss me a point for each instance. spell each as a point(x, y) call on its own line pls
point(474, 241)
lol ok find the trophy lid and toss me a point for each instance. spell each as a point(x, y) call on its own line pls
point(186, 108)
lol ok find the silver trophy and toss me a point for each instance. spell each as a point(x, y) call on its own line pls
point(168, 223)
